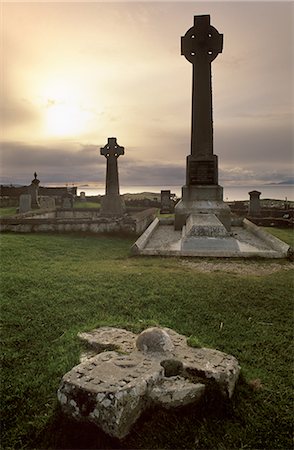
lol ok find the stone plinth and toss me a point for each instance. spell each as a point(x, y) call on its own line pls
point(202, 200)
point(205, 225)
point(206, 231)
point(112, 205)
point(132, 372)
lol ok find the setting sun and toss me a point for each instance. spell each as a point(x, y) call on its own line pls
point(63, 119)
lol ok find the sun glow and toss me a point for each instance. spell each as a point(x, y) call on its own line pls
point(64, 119)
point(65, 104)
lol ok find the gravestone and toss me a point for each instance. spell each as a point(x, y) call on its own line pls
point(67, 200)
point(202, 193)
point(254, 203)
point(33, 191)
point(112, 204)
point(47, 202)
point(83, 196)
point(166, 206)
point(25, 203)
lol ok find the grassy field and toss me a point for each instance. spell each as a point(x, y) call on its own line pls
point(285, 234)
point(92, 205)
point(8, 211)
point(54, 286)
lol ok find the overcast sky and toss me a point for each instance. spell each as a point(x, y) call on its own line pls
point(74, 74)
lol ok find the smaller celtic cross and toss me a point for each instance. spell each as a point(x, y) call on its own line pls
point(112, 151)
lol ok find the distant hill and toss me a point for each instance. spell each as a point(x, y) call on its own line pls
point(288, 181)
point(12, 185)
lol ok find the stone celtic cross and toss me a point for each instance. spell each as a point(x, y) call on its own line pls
point(112, 204)
point(200, 46)
point(128, 373)
point(112, 151)
point(201, 193)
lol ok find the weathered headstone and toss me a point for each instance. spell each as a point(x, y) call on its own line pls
point(25, 203)
point(202, 193)
point(47, 202)
point(166, 206)
point(130, 373)
point(33, 191)
point(83, 196)
point(112, 203)
point(67, 200)
point(254, 203)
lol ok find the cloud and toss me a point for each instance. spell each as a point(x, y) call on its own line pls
point(74, 162)
point(18, 111)
point(122, 64)
point(244, 176)
point(54, 163)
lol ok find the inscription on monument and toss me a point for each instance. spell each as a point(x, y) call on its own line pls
point(201, 172)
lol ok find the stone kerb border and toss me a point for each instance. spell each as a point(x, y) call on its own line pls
point(274, 242)
point(140, 243)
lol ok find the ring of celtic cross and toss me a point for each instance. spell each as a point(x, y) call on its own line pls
point(198, 44)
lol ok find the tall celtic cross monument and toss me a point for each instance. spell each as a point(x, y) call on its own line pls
point(112, 203)
point(201, 193)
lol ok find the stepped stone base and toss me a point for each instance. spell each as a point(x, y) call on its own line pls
point(202, 199)
point(205, 231)
point(205, 225)
point(112, 205)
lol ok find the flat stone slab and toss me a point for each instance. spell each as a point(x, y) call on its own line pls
point(208, 225)
point(132, 372)
point(246, 241)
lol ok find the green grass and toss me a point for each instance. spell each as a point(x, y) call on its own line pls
point(54, 286)
point(8, 211)
point(285, 234)
point(81, 205)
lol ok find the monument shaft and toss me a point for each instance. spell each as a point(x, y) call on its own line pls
point(201, 129)
point(112, 185)
point(200, 46)
point(201, 194)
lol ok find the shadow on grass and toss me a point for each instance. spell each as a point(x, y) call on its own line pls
point(156, 428)
point(64, 433)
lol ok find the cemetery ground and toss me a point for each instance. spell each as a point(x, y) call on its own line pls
point(54, 286)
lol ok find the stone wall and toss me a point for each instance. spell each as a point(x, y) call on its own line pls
point(82, 213)
point(48, 222)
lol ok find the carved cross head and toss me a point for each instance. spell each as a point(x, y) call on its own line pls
point(202, 41)
point(112, 149)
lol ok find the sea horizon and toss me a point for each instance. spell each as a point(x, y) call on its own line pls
point(230, 193)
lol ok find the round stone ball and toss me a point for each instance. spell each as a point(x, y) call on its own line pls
point(154, 340)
